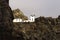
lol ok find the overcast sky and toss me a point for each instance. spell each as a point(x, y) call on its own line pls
point(39, 7)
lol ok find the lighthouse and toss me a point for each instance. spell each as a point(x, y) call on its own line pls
point(32, 18)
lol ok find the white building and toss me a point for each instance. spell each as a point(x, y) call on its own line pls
point(31, 19)
point(17, 20)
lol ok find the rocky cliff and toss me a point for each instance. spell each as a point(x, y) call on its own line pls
point(6, 20)
point(44, 28)
point(19, 14)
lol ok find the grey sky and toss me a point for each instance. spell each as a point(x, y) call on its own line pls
point(39, 7)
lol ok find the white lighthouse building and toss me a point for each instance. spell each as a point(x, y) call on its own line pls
point(32, 18)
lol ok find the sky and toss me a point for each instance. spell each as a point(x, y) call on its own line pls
point(46, 8)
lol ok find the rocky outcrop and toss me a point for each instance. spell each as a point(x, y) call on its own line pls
point(19, 14)
point(44, 28)
point(6, 20)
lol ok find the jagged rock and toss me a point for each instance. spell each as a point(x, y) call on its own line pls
point(19, 14)
point(44, 28)
point(6, 20)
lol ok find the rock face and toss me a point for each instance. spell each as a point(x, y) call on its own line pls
point(6, 20)
point(19, 14)
point(44, 28)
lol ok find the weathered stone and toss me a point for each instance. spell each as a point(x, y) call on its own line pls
point(6, 20)
point(44, 28)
